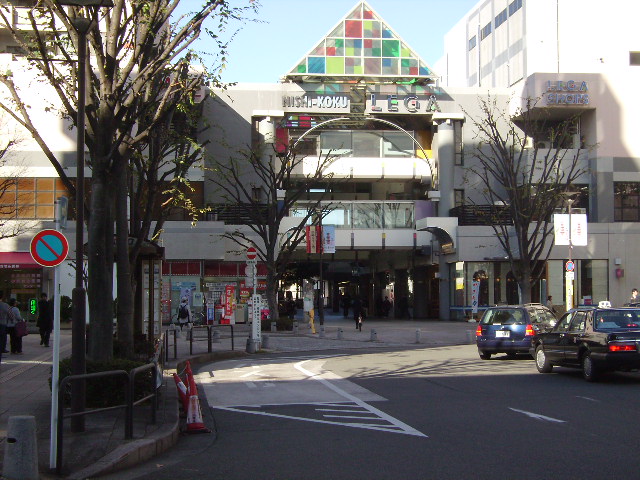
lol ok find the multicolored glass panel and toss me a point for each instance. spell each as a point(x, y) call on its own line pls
point(362, 44)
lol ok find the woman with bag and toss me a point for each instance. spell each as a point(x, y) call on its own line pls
point(16, 332)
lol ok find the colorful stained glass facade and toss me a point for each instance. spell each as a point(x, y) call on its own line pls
point(362, 44)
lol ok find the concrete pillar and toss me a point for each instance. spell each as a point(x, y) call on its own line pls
point(21, 450)
point(340, 334)
point(446, 166)
point(374, 335)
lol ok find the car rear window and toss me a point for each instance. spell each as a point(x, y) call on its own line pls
point(617, 319)
point(510, 316)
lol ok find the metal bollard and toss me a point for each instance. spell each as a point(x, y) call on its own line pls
point(295, 327)
point(374, 335)
point(274, 328)
point(321, 331)
point(470, 334)
point(216, 336)
point(340, 334)
point(265, 341)
point(251, 346)
point(418, 333)
point(20, 450)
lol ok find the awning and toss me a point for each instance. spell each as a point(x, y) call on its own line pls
point(17, 260)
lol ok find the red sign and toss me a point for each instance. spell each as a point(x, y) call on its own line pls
point(251, 253)
point(49, 248)
point(314, 238)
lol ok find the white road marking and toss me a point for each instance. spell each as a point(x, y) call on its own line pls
point(537, 416)
point(405, 428)
point(587, 398)
point(250, 385)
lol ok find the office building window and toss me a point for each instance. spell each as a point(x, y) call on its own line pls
point(501, 18)
point(486, 31)
point(472, 42)
point(515, 6)
point(626, 201)
point(458, 197)
point(31, 198)
point(634, 58)
point(458, 144)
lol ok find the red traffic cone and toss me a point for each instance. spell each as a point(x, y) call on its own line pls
point(195, 423)
point(182, 391)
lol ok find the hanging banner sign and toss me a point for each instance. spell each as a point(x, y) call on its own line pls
point(578, 229)
point(313, 235)
point(329, 238)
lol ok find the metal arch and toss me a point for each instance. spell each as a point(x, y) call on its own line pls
point(386, 122)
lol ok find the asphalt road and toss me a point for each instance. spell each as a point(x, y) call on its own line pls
point(423, 413)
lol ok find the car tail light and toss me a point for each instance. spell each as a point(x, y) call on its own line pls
point(529, 332)
point(479, 331)
point(622, 347)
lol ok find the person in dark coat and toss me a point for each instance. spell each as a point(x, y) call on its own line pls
point(45, 319)
point(357, 313)
point(346, 304)
point(386, 306)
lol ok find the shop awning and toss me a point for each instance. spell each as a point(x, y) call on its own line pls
point(17, 260)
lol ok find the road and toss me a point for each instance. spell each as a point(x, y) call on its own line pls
point(421, 413)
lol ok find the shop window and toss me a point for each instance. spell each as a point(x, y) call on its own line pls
point(593, 278)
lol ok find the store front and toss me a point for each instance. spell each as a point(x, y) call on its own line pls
point(21, 278)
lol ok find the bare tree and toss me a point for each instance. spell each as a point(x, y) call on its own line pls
point(12, 223)
point(132, 45)
point(521, 184)
point(261, 206)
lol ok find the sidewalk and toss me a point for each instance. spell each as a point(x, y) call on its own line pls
point(24, 387)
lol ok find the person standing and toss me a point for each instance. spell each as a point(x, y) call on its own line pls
point(386, 306)
point(4, 319)
point(14, 317)
point(634, 296)
point(346, 304)
point(45, 319)
point(357, 313)
point(550, 304)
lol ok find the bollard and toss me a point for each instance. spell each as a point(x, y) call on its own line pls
point(295, 327)
point(470, 334)
point(340, 334)
point(418, 336)
point(216, 336)
point(374, 335)
point(273, 327)
point(20, 449)
point(251, 346)
point(321, 331)
point(265, 341)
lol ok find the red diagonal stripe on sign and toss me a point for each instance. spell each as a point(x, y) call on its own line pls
point(57, 254)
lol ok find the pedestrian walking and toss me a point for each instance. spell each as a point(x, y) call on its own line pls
point(45, 319)
point(184, 313)
point(15, 337)
point(550, 304)
point(357, 313)
point(4, 319)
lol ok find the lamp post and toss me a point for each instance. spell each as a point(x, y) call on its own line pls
point(78, 318)
point(570, 274)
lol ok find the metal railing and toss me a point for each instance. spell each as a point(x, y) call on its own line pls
point(128, 384)
point(209, 336)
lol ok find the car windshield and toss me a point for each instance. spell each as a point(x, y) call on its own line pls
point(629, 318)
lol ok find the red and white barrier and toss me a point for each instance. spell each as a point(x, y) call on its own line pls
point(195, 424)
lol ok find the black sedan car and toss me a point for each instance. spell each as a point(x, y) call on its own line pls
point(593, 339)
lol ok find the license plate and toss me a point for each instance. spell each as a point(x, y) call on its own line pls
point(503, 333)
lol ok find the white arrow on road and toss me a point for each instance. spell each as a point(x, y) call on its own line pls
point(537, 416)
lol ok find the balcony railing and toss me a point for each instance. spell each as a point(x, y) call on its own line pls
point(365, 214)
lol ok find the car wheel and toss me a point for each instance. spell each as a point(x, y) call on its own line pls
point(542, 362)
point(589, 371)
point(484, 355)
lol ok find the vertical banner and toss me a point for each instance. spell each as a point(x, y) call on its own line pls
point(229, 304)
point(314, 238)
point(578, 231)
point(475, 291)
point(329, 238)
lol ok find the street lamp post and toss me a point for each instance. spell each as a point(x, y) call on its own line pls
point(571, 274)
point(78, 317)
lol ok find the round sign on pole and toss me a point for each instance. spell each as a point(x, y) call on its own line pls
point(251, 253)
point(569, 266)
point(49, 248)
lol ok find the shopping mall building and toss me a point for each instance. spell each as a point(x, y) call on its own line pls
point(400, 197)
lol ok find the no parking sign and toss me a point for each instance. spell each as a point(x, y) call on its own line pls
point(49, 248)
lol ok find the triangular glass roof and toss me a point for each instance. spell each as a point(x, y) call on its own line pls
point(362, 44)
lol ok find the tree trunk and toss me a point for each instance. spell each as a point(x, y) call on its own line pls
point(525, 284)
point(100, 260)
point(124, 284)
point(272, 295)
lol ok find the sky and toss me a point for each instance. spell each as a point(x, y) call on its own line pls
point(265, 51)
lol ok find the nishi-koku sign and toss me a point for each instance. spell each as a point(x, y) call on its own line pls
point(49, 248)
